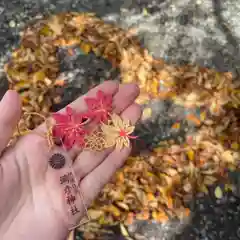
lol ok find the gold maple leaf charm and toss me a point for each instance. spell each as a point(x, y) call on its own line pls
point(95, 141)
point(117, 132)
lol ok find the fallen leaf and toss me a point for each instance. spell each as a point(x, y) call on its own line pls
point(192, 118)
point(218, 193)
point(147, 113)
point(161, 217)
point(114, 210)
point(95, 214)
point(176, 126)
point(203, 116)
point(144, 215)
point(85, 47)
point(124, 230)
point(123, 206)
point(145, 12)
point(209, 180)
point(130, 218)
point(203, 188)
point(69, 127)
point(235, 146)
point(55, 25)
point(190, 155)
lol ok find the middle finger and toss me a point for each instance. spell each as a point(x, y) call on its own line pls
point(88, 160)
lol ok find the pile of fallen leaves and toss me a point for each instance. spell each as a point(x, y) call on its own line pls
point(155, 185)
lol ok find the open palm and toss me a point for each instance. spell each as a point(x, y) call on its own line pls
point(30, 195)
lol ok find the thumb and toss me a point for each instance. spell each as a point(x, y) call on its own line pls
point(10, 113)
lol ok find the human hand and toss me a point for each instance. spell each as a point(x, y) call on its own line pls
point(28, 203)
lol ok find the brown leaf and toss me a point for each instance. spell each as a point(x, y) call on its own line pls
point(122, 205)
point(209, 180)
point(55, 24)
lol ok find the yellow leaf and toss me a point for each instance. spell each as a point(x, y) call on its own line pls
point(203, 189)
point(235, 146)
point(218, 192)
point(150, 174)
point(39, 76)
point(95, 214)
point(22, 84)
point(145, 12)
point(154, 215)
point(150, 197)
point(228, 187)
point(227, 157)
point(147, 113)
point(102, 220)
point(202, 116)
point(124, 230)
point(86, 48)
point(114, 210)
point(25, 100)
point(190, 155)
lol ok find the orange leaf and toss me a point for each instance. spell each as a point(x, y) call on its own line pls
point(130, 218)
point(59, 82)
point(187, 212)
point(62, 42)
point(201, 161)
point(150, 197)
point(161, 217)
point(176, 125)
point(170, 202)
point(120, 177)
point(193, 118)
point(71, 52)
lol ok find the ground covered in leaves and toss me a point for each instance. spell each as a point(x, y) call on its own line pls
point(155, 186)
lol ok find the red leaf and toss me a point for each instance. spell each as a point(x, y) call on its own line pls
point(60, 118)
point(70, 128)
point(99, 107)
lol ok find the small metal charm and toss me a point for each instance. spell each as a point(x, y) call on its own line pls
point(57, 161)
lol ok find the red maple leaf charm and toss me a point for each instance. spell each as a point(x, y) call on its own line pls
point(99, 107)
point(69, 127)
